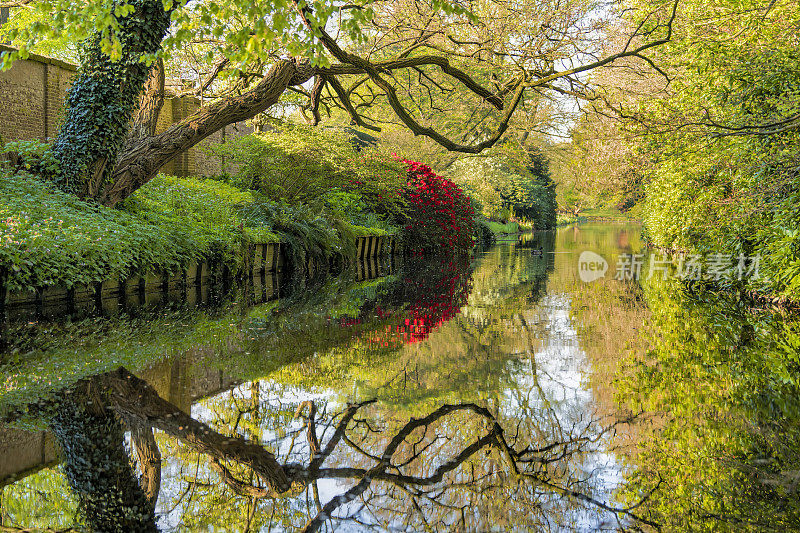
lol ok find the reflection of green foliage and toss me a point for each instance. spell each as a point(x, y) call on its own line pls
point(42, 501)
point(728, 384)
point(358, 297)
point(720, 380)
point(249, 341)
point(335, 342)
point(97, 465)
point(467, 356)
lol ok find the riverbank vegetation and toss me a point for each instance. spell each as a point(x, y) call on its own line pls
point(506, 189)
point(708, 147)
point(312, 189)
point(721, 384)
point(52, 237)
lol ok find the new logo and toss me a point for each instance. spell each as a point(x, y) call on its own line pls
point(591, 266)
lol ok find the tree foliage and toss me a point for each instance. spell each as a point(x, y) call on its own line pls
point(506, 186)
point(711, 139)
point(418, 59)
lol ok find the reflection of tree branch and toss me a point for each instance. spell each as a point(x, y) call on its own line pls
point(311, 431)
point(317, 461)
point(436, 477)
point(315, 523)
point(409, 466)
point(133, 397)
point(239, 487)
point(149, 459)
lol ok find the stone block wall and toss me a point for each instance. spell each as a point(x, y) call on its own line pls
point(33, 93)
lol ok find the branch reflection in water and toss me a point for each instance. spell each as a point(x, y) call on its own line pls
point(459, 467)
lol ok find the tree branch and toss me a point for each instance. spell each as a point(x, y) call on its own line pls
point(137, 165)
point(348, 106)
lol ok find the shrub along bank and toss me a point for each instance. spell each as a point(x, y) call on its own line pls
point(308, 188)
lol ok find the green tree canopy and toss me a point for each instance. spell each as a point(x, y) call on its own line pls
point(484, 61)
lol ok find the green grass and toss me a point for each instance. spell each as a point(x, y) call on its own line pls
point(503, 229)
point(53, 238)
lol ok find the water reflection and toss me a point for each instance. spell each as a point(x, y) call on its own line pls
point(471, 428)
point(493, 393)
point(461, 466)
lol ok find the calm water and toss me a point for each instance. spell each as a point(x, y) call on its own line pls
point(493, 393)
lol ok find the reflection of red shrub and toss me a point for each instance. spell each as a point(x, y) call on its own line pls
point(438, 297)
point(430, 294)
point(441, 214)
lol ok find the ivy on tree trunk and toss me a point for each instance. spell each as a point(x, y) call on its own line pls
point(104, 97)
point(97, 465)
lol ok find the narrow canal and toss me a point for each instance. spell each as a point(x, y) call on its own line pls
point(503, 392)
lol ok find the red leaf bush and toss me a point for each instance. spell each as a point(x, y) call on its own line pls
point(441, 214)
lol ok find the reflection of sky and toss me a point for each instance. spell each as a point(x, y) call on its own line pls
point(557, 369)
point(548, 387)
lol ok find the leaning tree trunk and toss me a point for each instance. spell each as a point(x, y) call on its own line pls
point(141, 161)
point(145, 119)
point(102, 100)
point(107, 147)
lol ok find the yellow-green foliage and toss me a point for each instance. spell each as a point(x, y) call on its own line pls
point(319, 168)
point(725, 382)
point(51, 237)
point(218, 207)
point(723, 140)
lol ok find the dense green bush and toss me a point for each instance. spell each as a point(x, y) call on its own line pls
point(32, 156)
point(321, 169)
point(722, 144)
point(505, 189)
point(205, 203)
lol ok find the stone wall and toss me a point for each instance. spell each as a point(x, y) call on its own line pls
point(33, 93)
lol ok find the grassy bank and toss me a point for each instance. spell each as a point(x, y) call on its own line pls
point(53, 238)
point(507, 228)
point(599, 214)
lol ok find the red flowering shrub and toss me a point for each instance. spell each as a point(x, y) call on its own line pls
point(441, 214)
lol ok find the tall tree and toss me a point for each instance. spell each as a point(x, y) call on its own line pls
point(359, 53)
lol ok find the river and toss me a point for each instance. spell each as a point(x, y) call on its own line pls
point(522, 389)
